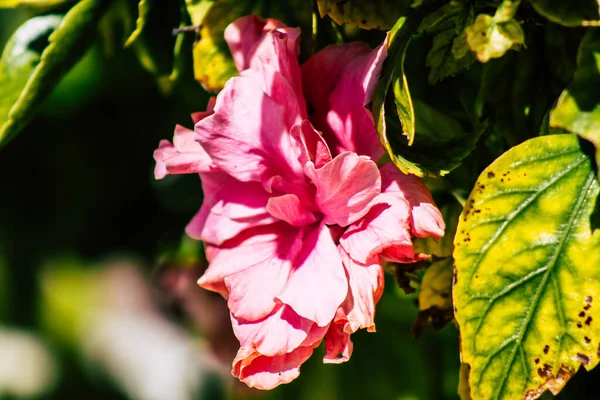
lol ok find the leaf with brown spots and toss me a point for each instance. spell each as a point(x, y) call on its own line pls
point(526, 268)
point(366, 14)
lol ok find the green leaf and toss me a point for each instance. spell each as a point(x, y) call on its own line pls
point(28, 75)
point(427, 157)
point(490, 39)
point(443, 18)
point(33, 3)
point(447, 57)
point(449, 54)
point(213, 64)
point(434, 124)
point(527, 282)
point(578, 107)
point(393, 74)
point(366, 14)
point(140, 23)
point(569, 13)
point(404, 104)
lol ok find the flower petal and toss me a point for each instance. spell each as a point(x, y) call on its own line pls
point(254, 246)
point(229, 207)
point(320, 76)
point(279, 333)
point(279, 50)
point(244, 34)
point(318, 284)
point(366, 287)
point(338, 346)
point(345, 187)
point(184, 156)
point(247, 135)
point(426, 220)
point(352, 124)
point(289, 209)
point(314, 147)
point(256, 43)
point(264, 372)
point(210, 108)
point(384, 229)
point(252, 291)
point(338, 82)
point(280, 90)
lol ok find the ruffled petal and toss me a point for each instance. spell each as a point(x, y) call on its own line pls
point(338, 346)
point(280, 90)
point(289, 209)
point(320, 76)
point(385, 231)
point(184, 156)
point(256, 43)
point(318, 284)
point(366, 287)
point(279, 50)
point(279, 333)
point(263, 372)
point(338, 82)
point(426, 219)
point(229, 207)
point(210, 108)
point(243, 36)
point(351, 123)
point(345, 187)
point(252, 291)
point(313, 146)
point(260, 245)
point(247, 135)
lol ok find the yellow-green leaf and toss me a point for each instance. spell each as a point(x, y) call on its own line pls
point(527, 290)
point(28, 74)
point(33, 3)
point(393, 75)
point(404, 104)
point(436, 286)
point(569, 12)
point(140, 23)
point(464, 391)
point(490, 39)
point(578, 107)
point(213, 64)
point(367, 14)
point(70, 295)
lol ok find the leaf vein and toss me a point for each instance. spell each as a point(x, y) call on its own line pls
point(535, 301)
point(517, 211)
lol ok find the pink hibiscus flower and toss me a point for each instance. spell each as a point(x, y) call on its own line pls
point(296, 221)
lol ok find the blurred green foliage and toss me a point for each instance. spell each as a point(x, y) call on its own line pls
point(77, 186)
